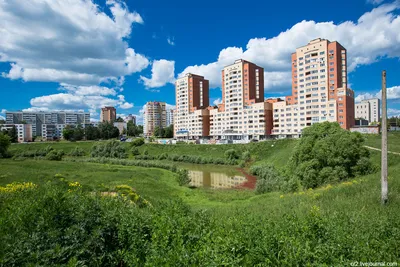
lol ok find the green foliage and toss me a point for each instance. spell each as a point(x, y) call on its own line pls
point(68, 132)
point(109, 149)
point(126, 162)
point(231, 154)
point(186, 158)
point(268, 178)
point(246, 156)
point(183, 177)
point(327, 153)
point(135, 151)
point(12, 133)
point(5, 143)
point(77, 152)
point(134, 130)
point(92, 133)
point(108, 131)
point(55, 155)
point(137, 142)
point(119, 119)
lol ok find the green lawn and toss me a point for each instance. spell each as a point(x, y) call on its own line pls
point(375, 140)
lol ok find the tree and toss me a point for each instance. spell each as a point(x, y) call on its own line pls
point(79, 133)
point(4, 144)
point(92, 133)
point(108, 130)
point(119, 119)
point(68, 132)
point(159, 131)
point(328, 153)
point(169, 131)
point(2, 122)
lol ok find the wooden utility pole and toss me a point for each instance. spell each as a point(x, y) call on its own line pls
point(384, 164)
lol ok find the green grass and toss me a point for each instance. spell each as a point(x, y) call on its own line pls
point(375, 140)
point(344, 223)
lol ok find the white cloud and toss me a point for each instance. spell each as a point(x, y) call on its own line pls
point(171, 41)
point(373, 36)
point(2, 117)
point(88, 90)
point(392, 93)
point(3, 111)
point(169, 106)
point(393, 112)
point(82, 45)
point(162, 72)
point(217, 101)
point(126, 105)
point(375, 2)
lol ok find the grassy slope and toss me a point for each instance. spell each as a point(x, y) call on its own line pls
point(374, 140)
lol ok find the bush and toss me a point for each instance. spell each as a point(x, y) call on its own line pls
point(135, 151)
point(246, 156)
point(268, 178)
point(5, 143)
point(77, 152)
point(145, 152)
point(55, 155)
point(183, 177)
point(231, 154)
point(109, 149)
point(327, 153)
point(137, 142)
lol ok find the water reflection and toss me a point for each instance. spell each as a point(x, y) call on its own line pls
point(212, 179)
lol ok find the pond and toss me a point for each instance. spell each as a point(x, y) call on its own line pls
point(214, 176)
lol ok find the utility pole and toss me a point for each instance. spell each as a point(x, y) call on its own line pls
point(384, 164)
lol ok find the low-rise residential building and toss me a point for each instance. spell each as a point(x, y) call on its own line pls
point(52, 132)
point(121, 126)
point(368, 109)
point(37, 119)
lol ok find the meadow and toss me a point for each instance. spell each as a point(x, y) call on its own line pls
point(332, 225)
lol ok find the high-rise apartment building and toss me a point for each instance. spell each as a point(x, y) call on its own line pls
point(242, 115)
point(319, 90)
point(108, 114)
point(192, 99)
point(131, 118)
point(368, 109)
point(37, 119)
point(170, 116)
point(155, 115)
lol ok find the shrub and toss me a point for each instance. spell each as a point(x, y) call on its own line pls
point(77, 152)
point(5, 143)
point(183, 177)
point(135, 151)
point(268, 178)
point(145, 152)
point(163, 156)
point(246, 156)
point(109, 149)
point(231, 154)
point(327, 153)
point(137, 142)
point(55, 155)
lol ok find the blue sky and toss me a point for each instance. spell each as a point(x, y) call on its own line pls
point(86, 54)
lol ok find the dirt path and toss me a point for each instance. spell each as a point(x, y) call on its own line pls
point(251, 180)
point(378, 149)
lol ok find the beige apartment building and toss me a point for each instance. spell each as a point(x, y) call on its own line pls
point(368, 109)
point(319, 90)
point(242, 115)
point(108, 114)
point(191, 117)
point(155, 115)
